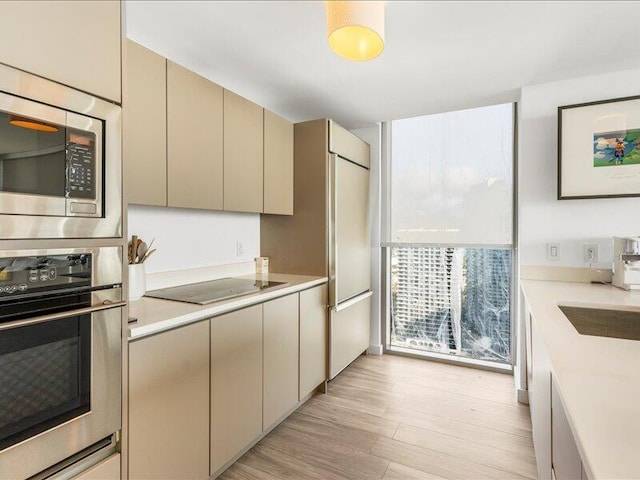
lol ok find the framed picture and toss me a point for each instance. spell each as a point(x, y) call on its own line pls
point(599, 149)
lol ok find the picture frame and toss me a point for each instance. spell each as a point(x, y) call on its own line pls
point(599, 149)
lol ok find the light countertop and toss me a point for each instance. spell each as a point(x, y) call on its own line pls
point(155, 315)
point(598, 377)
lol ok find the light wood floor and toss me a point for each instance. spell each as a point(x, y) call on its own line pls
point(397, 418)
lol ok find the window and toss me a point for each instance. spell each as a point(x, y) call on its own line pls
point(450, 233)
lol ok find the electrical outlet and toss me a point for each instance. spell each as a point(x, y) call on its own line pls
point(553, 251)
point(591, 253)
point(239, 248)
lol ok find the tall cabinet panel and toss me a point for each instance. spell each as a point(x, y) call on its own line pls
point(313, 339)
point(280, 324)
point(70, 42)
point(236, 383)
point(194, 143)
point(243, 154)
point(278, 164)
point(351, 257)
point(169, 405)
point(145, 126)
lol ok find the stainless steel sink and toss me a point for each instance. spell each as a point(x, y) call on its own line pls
point(601, 322)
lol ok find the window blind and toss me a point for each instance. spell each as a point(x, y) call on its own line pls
point(451, 178)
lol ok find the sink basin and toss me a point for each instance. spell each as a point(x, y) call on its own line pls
point(604, 322)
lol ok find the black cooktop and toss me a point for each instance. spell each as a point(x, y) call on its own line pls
point(203, 293)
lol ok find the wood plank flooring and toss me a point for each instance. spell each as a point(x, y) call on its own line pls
point(397, 418)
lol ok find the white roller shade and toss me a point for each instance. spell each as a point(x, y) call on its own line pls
point(451, 178)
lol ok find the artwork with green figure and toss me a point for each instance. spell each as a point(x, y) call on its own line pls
point(621, 147)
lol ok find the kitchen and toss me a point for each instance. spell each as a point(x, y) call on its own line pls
point(235, 160)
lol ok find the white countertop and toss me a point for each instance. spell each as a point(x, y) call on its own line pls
point(155, 315)
point(598, 377)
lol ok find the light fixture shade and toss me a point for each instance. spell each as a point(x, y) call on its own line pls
point(355, 29)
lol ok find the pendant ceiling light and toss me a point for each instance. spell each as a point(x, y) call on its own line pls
point(31, 124)
point(355, 29)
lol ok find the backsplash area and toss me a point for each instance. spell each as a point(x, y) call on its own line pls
point(188, 238)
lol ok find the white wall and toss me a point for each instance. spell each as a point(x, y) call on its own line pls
point(373, 136)
point(570, 223)
point(194, 238)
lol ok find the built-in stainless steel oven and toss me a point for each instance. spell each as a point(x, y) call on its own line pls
point(61, 315)
point(60, 161)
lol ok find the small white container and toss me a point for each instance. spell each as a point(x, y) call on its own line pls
point(262, 264)
point(137, 281)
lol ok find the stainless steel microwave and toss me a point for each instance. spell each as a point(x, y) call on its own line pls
point(60, 161)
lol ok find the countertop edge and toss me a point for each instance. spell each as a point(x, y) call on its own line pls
point(139, 332)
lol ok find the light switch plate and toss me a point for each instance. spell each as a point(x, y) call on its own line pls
point(553, 251)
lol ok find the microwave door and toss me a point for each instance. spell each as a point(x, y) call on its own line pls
point(32, 158)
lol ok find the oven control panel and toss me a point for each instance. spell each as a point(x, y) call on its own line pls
point(41, 274)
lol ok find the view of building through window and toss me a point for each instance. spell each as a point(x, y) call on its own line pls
point(450, 233)
point(452, 300)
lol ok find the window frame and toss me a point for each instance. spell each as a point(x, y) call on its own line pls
point(385, 297)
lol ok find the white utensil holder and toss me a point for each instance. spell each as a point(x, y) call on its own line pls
point(137, 281)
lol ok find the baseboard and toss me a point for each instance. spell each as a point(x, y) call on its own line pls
point(375, 350)
point(523, 396)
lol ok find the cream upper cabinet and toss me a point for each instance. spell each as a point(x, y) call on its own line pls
point(347, 145)
point(144, 110)
point(70, 42)
point(243, 154)
point(169, 404)
point(236, 383)
point(280, 350)
point(314, 333)
point(278, 164)
point(194, 143)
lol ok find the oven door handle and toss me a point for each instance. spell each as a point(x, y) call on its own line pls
point(58, 316)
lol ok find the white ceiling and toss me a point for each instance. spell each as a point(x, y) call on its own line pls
point(438, 56)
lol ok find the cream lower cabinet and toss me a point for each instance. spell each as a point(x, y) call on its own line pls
point(539, 386)
point(169, 404)
point(314, 333)
point(556, 452)
point(565, 458)
point(236, 383)
point(349, 334)
point(280, 353)
point(108, 469)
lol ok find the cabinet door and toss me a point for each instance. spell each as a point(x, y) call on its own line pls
point(278, 164)
point(70, 42)
point(236, 383)
point(348, 145)
point(313, 339)
point(169, 405)
point(540, 401)
point(243, 154)
point(194, 140)
point(108, 469)
point(144, 138)
point(567, 464)
point(349, 335)
point(280, 324)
